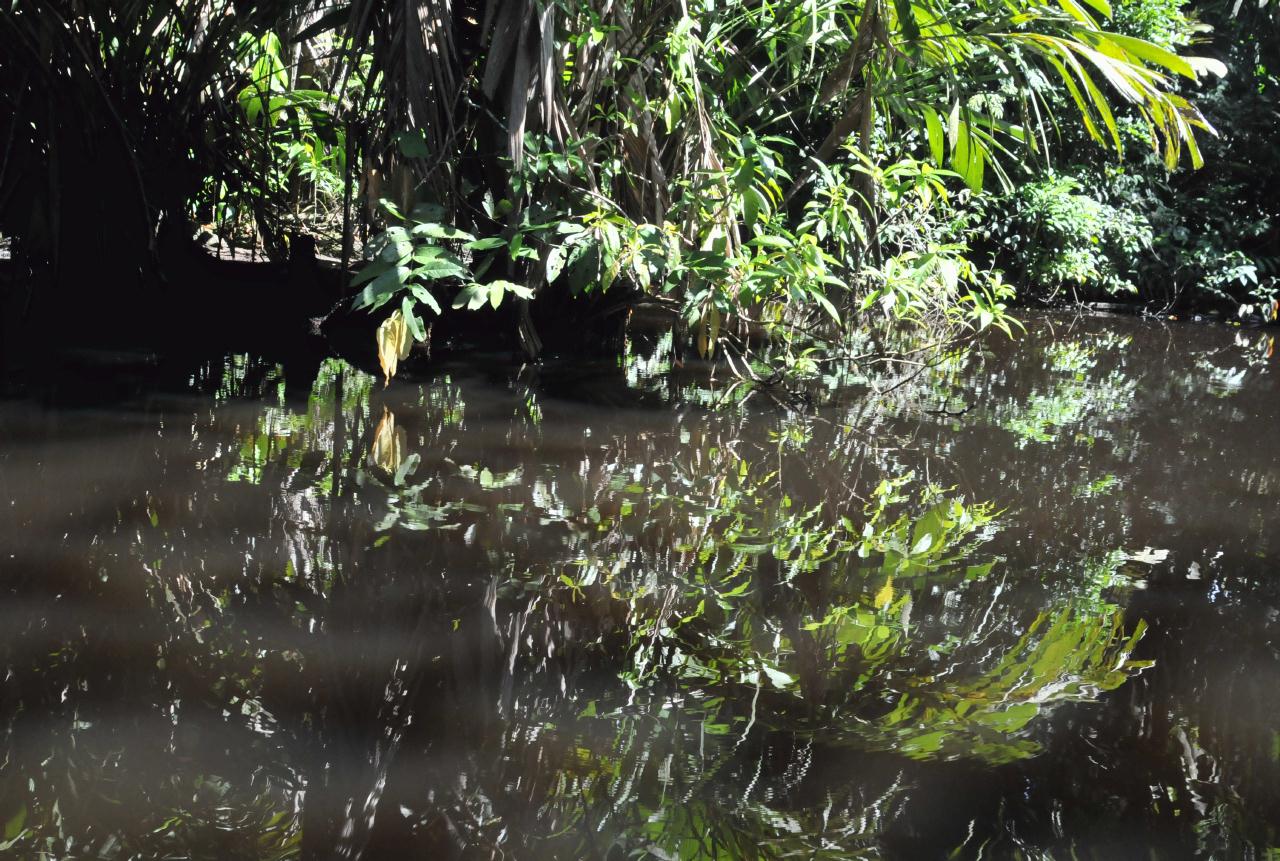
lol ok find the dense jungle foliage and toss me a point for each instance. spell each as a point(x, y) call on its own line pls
point(272, 596)
point(756, 169)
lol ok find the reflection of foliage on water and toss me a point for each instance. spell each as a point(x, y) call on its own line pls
point(832, 642)
point(280, 435)
point(1078, 393)
point(1065, 655)
point(1223, 377)
point(649, 639)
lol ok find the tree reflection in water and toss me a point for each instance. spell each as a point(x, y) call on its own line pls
point(472, 618)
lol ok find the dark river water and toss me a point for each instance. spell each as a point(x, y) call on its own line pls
point(1021, 604)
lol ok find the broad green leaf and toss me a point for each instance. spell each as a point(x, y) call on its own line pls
point(423, 253)
point(518, 290)
point(423, 295)
point(826, 306)
point(411, 320)
point(555, 263)
point(777, 678)
point(472, 297)
point(439, 268)
point(412, 144)
point(381, 289)
point(396, 251)
point(771, 240)
point(442, 231)
point(370, 271)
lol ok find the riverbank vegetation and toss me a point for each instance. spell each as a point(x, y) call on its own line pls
point(758, 172)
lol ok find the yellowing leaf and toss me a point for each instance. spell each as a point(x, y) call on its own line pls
point(388, 443)
point(393, 344)
point(885, 596)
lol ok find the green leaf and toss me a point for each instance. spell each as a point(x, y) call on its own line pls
point(439, 268)
point(370, 271)
point(937, 137)
point(969, 157)
point(413, 145)
point(441, 231)
point(488, 243)
point(472, 297)
point(826, 305)
point(1149, 53)
point(1208, 66)
point(423, 295)
point(389, 207)
point(13, 827)
point(907, 20)
point(771, 240)
point(396, 250)
point(416, 329)
point(511, 287)
point(1073, 9)
point(382, 288)
point(555, 263)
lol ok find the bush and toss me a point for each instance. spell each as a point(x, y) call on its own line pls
point(1050, 236)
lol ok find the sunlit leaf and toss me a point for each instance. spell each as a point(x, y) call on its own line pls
point(393, 344)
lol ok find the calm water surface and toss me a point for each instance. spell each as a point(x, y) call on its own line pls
point(1024, 604)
